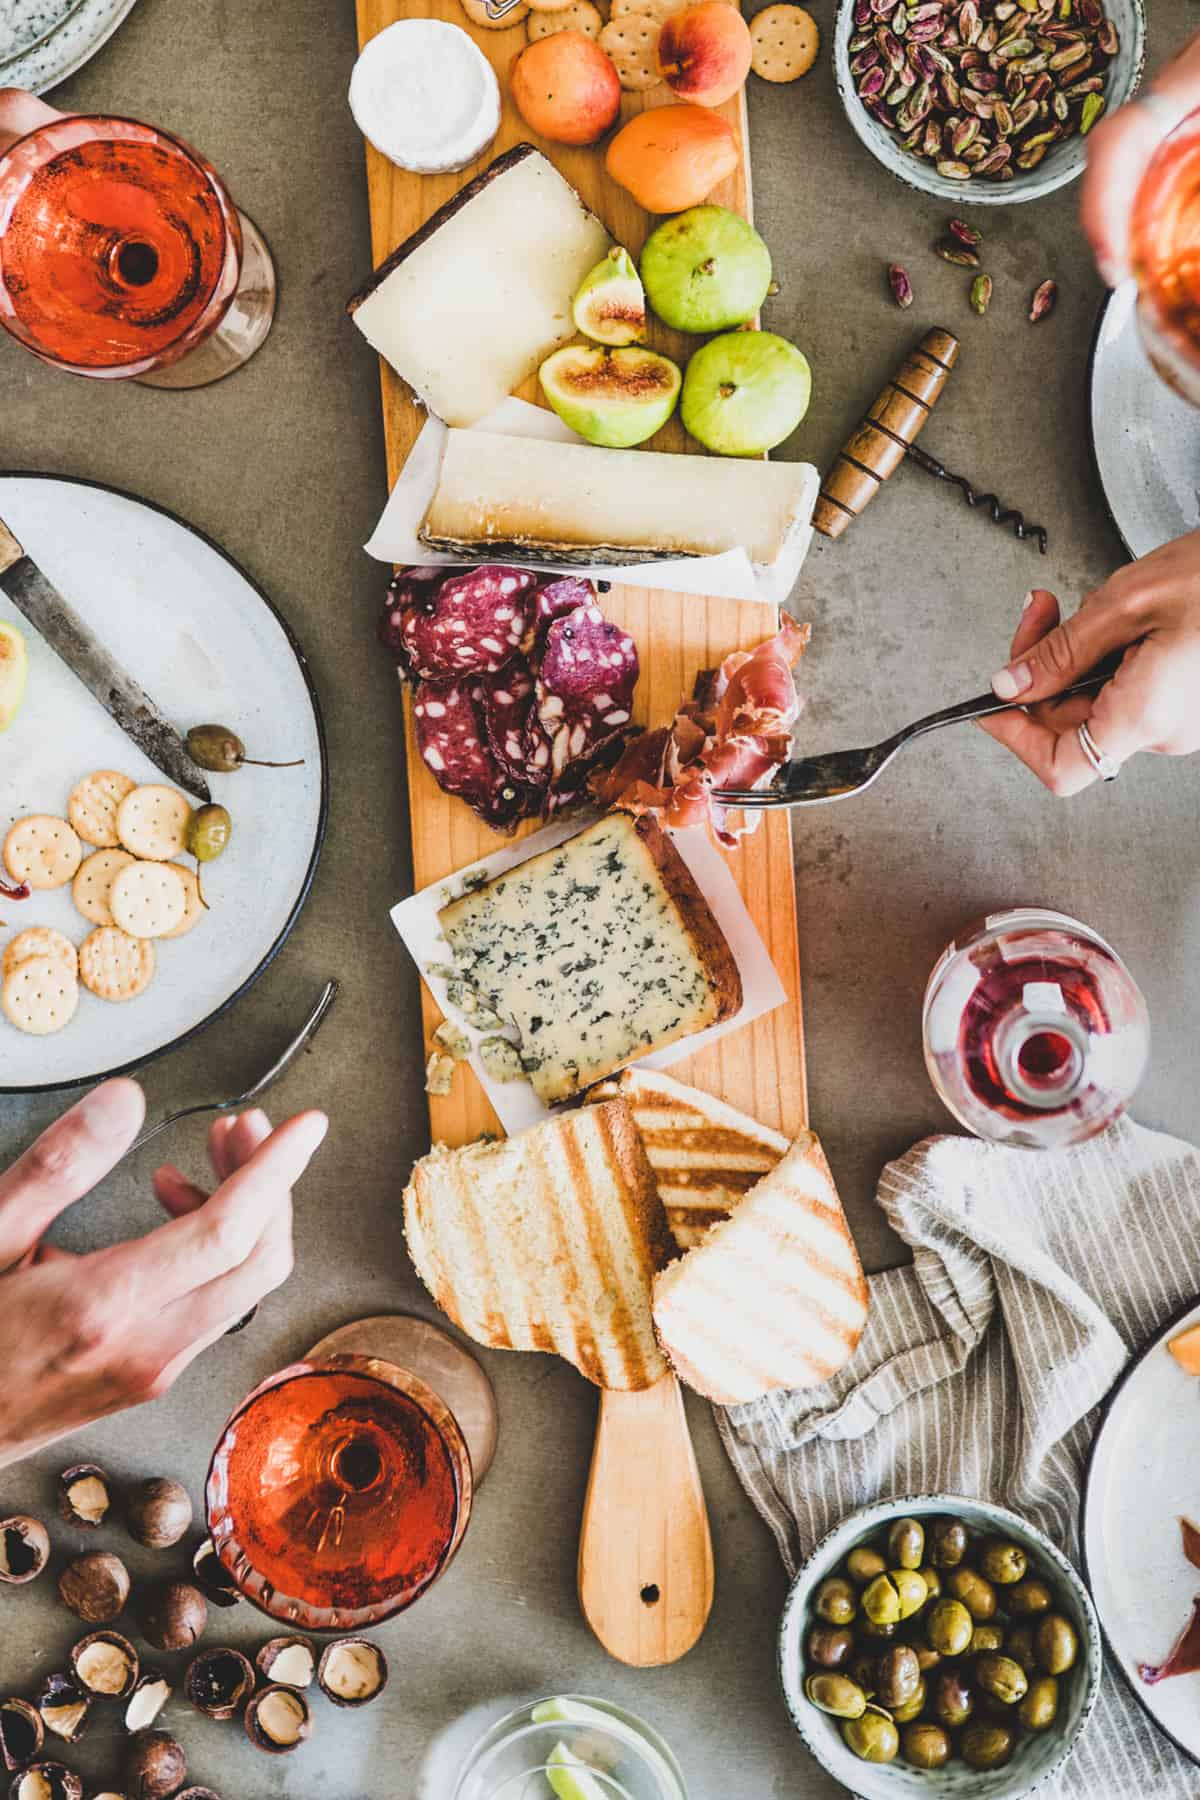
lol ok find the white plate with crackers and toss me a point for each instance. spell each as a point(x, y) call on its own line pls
point(119, 953)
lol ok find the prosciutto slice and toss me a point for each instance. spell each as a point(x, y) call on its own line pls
point(736, 732)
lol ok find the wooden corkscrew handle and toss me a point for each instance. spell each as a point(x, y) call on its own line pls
point(877, 448)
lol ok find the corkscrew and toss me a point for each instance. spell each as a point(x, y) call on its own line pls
point(887, 436)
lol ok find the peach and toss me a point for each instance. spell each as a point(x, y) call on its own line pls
point(704, 52)
point(672, 157)
point(566, 88)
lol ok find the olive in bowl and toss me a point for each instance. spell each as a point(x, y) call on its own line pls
point(951, 1691)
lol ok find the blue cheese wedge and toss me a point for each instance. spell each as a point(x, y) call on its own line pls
point(426, 96)
point(600, 951)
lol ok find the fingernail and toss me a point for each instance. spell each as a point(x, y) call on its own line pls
point(1011, 682)
point(1027, 602)
point(256, 1116)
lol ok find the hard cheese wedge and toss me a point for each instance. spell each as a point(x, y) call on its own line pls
point(469, 306)
point(572, 503)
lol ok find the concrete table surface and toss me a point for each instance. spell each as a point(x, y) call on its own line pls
point(284, 466)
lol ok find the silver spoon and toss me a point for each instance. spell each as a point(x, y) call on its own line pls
point(301, 1041)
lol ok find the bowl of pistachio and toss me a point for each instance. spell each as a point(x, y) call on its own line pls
point(936, 1644)
point(985, 102)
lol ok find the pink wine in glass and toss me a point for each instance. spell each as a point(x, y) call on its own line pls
point(1165, 253)
point(123, 255)
point(1035, 1032)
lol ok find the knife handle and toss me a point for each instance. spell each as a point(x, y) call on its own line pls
point(10, 551)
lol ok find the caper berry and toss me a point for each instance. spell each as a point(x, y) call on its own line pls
point(906, 1544)
point(881, 1602)
point(1003, 1563)
point(217, 748)
point(836, 1694)
point(863, 1564)
point(910, 1591)
point(1028, 1597)
point(1039, 1709)
point(949, 1542)
point(897, 1676)
point(208, 831)
point(925, 1745)
point(1057, 1644)
point(987, 1746)
point(873, 1738)
point(830, 1646)
point(1001, 1677)
point(953, 1700)
point(911, 1708)
point(949, 1628)
point(932, 1580)
point(976, 1594)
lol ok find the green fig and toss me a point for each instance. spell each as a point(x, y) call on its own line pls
point(610, 307)
point(14, 666)
point(705, 270)
point(611, 397)
point(745, 392)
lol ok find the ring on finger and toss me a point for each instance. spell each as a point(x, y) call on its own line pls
point(1107, 767)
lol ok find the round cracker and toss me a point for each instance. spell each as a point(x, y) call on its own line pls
point(114, 965)
point(147, 899)
point(41, 940)
point(656, 9)
point(92, 808)
point(194, 907)
point(577, 15)
point(92, 886)
point(548, 6)
point(39, 996)
point(784, 43)
point(631, 42)
point(477, 14)
point(152, 822)
point(42, 850)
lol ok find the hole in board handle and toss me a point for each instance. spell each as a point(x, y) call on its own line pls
point(649, 1594)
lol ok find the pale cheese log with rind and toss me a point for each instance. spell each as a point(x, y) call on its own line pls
point(538, 500)
point(775, 1296)
point(468, 307)
point(426, 96)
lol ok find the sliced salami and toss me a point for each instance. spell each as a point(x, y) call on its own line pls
point(561, 595)
point(409, 588)
point(451, 737)
point(589, 669)
point(471, 624)
point(517, 740)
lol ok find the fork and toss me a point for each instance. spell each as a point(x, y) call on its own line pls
point(268, 1078)
point(812, 780)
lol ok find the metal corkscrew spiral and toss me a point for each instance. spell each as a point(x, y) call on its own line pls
point(1000, 515)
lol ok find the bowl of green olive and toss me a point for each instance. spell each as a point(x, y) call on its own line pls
point(939, 1645)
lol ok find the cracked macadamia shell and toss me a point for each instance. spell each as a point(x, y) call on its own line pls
point(147, 1700)
point(278, 1720)
point(84, 1496)
point(22, 1733)
point(46, 1781)
point(24, 1549)
point(106, 1663)
point(353, 1672)
point(288, 1661)
point(218, 1683)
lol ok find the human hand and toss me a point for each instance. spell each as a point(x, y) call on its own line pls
point(84, 1336)
point(1119, 153)
point(21, 113)
point(1151, 610)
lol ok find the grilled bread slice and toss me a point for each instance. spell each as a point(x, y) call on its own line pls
point(775, 1295)
point(547, 1241)
point(706, 1156)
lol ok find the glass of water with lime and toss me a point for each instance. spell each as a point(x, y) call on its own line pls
point(568, 1747)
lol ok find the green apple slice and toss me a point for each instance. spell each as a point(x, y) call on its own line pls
point(610, 306)
point(745, 392)
point(616, 398)
point(571, 1779)
point(14, 667)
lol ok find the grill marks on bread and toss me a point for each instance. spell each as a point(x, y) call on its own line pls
point(548, 1241)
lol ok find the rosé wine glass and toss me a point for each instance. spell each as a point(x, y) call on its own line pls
point(122, 255)
point(1165, 252)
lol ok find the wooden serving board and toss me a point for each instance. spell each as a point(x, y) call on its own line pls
point(760, 1069)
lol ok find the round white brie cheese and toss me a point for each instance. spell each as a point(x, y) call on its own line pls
point(426, 96)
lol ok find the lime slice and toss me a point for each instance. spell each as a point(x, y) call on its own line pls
point(560, 1711)
point(570, 1712)
point(571, 1779)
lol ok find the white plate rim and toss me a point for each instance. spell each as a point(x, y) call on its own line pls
point(1127, 1374)
point(1102, 312)
point(111, 15)
point(302, 663)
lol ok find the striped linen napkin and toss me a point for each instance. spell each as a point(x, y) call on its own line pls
point(1034, 1277)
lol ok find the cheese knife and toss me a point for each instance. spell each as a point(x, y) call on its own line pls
point(56, 621)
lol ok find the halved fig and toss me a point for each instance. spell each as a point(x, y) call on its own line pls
point(610, 306)
point(616, 398)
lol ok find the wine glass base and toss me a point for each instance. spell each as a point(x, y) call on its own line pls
point(435, 1358)
point(242, 331)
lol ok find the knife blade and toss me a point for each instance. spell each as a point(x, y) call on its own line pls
point(129, 705)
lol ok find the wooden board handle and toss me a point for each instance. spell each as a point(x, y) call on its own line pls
point(876, 449)
point(10, 551)
point(645, 1551)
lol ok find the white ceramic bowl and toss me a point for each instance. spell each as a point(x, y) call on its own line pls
point(1037, 1756)
point(1063, 162)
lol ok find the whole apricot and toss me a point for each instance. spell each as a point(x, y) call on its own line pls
point(672, 157)
point(566, 88)
point(704, 52)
